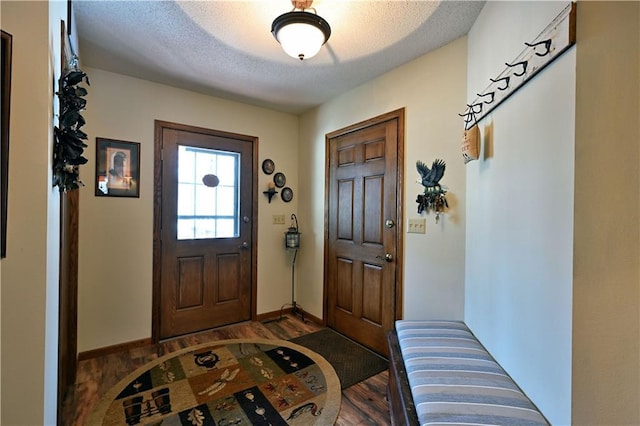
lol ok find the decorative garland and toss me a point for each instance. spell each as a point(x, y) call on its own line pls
point(68, 138)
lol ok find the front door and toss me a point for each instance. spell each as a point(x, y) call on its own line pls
point(365, 207)
point(204, 273)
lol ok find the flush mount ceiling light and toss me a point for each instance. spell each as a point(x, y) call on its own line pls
point(301, 33)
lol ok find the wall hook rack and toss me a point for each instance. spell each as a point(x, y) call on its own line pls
point(523, 64)
point(547, 45)
point(492, 94)
point(552, 42)
point(499, 80)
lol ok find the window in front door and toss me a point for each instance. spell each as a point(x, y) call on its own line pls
point(208, 211)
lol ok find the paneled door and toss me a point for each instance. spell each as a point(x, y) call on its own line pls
point(204, 268)
point(364, 226)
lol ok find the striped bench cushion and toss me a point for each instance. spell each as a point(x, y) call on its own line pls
point(454, 380)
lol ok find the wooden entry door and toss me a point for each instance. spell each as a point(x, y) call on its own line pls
point(204, 272)
point(364, 226)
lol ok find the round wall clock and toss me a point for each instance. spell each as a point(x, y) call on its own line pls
point(268, 167)
point(287, 194)
point(279, 179)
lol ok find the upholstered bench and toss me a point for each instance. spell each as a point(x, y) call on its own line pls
point(439, 373)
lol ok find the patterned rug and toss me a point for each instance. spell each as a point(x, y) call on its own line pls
point(353, 362)
point(229, 382)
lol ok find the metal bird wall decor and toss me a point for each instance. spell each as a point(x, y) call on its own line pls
point(431, 177)
point(433, 197)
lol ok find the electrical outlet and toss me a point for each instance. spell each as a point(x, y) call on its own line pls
point(278, 219)
point(417, 226)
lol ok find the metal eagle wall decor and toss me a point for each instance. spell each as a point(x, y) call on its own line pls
point(433, 197)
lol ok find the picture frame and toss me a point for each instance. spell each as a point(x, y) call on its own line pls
point(287, 194)
point(117, 168)
point(279, 179)
point(268, 166)
point(5, 106)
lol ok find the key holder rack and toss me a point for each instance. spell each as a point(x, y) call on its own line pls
point(550, 44)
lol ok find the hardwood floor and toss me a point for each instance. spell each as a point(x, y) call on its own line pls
point(362, 404)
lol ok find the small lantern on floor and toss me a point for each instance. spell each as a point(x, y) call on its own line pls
point(292, 236)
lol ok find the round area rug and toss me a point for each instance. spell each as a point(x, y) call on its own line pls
point(228, 382)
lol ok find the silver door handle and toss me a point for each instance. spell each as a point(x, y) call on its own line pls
point(387, 257)
point(244, 245)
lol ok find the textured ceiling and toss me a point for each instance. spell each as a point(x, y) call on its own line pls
point(225, 48)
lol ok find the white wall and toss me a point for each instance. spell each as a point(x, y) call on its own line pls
point(30, 270)
point(432, 89)
point(116, 234)
point(519, 240)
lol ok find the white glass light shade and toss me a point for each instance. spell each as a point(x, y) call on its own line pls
point(301, 40)
point(301, 34)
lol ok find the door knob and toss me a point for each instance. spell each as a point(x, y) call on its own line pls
point(244, 245)
point(389, 223)
point(387, 257)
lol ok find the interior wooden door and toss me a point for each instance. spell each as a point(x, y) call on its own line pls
point(364, 225)
point(207, 232)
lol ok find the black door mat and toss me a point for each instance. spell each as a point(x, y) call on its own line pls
point(353, 362)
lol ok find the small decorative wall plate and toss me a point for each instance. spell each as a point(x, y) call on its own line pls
point(268, 167)
point(287, 194)
point(279, 179)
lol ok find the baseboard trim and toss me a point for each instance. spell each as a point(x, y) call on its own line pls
point(265, 317)
point(120, 347)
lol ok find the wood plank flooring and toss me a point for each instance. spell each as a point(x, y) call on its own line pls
point(362, 404)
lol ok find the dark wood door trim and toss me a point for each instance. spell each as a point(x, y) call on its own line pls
point(68, 297)
point(393, 115)
point(159, 126)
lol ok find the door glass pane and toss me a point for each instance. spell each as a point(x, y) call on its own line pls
point(186, 201)
point(225, 208)
point(204, 211)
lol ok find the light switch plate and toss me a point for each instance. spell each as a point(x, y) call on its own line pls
point(278, 219)
point(417, 226)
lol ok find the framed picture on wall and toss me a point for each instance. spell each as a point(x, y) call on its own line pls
point(117, 168)
point(5, 104)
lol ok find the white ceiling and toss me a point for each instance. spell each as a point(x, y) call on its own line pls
point(225, 48)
